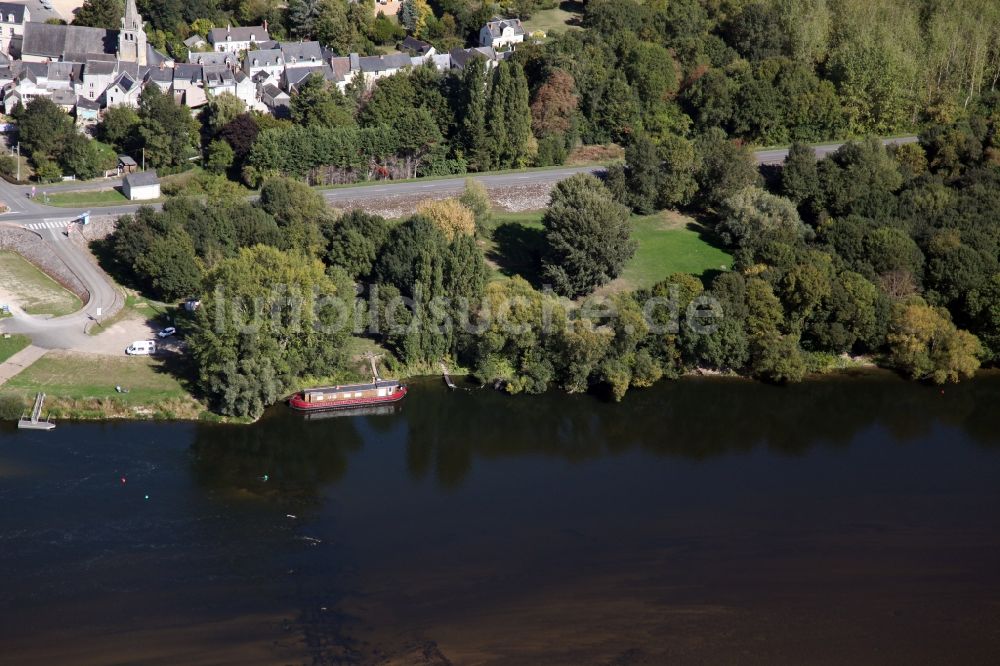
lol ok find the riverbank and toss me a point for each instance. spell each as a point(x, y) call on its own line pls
point(81, 387)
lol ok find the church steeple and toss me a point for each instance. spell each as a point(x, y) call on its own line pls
point(132, 38)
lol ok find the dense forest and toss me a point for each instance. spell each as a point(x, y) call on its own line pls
point(890, 253)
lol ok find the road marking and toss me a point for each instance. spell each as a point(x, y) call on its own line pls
point(49, 224)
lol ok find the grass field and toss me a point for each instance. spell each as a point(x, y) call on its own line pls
point(86, 198)
point(559, 19)
point(670, 243)
point(667, 243)
point(12, 345)
point(83, 385)
point(34, 291)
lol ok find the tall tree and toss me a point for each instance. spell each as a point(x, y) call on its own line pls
point(472, 133)
point(587, 234)
point(509, 117)
point(261, 326)
point(105, 14)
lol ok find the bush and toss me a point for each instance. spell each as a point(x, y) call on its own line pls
point(8, 166)
point(11, 407)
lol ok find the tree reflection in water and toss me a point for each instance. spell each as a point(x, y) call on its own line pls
point(444, 432)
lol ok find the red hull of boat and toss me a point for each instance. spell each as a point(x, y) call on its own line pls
point(296, 402)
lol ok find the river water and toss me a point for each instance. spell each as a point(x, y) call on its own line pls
point(849, 520)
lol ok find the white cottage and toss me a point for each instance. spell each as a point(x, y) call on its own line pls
point(141, 186)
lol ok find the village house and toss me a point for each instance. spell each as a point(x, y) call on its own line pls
point(275, 99)
point(13, 16)
point(378, 67)
point(301, 54)
point(461, 57)
point(269, 61)
point(215, 58)
point(141, 186)
point(501, 33)
point(235, 40)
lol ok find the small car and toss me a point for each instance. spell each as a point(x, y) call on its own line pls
point(167, 332)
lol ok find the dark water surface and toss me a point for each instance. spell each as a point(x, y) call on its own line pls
point(703, 521)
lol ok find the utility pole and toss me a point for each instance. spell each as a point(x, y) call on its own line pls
point(19, 161)
point(143, 159)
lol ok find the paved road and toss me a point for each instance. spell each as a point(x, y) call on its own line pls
point(49, 222)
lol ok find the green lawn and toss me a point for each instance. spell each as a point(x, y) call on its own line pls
point(12, 345)
point(33, 290)
point(566, 16)
point(76, 375)
point(85, 198)
point(670, 244)
point(667, 243)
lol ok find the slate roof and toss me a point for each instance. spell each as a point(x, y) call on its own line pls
point(142, 178)
point(296, 75)
point(274, 91)
point(7, 8)
point(214, 58)
point(186, 72)
point(127, 160)
point(154, 58)
point(264, 58)
point(84, 103)
point(160, 75)
point(194, 40)
point(382, 63)
point(497, 25)
point(218, 75)
point(64, 97)
point(65, 71)
point(247, 34)
point(301, 52)
point(461, 57)
point(67, 42)
point(99, 68)
point(417, 46)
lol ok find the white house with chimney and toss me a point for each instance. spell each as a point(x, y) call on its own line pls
point(501, 33)
point(234, 40)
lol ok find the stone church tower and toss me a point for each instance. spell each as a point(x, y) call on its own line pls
point(132, 38)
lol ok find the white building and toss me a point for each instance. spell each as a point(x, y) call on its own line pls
point(13, 16)
point(501, 33)
point(235, 40)
point(269, 61)
point(141, 186)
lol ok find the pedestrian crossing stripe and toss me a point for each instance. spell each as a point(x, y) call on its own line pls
point(48, 224)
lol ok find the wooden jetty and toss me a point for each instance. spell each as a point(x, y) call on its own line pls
point(33, 422)
point(447, 377)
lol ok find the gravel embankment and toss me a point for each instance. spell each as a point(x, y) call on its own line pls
point(38, 252)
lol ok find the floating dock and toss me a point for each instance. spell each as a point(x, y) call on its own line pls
point(33, 422)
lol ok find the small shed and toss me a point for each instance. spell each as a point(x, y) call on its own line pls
point(140, 186)
point(126, 165)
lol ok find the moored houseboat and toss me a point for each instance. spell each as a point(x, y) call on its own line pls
point(349, 396)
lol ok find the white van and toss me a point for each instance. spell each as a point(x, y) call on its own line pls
point(141, 348)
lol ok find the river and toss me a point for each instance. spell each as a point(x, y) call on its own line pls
point(848, 520)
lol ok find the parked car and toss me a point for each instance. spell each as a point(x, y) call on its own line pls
point(167, 332)
point(141, 348)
